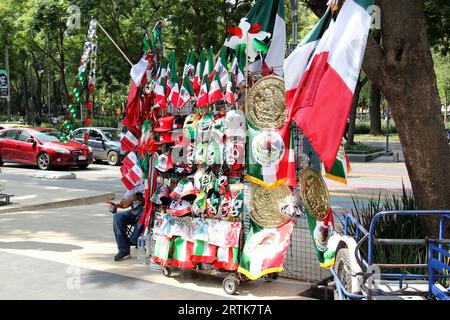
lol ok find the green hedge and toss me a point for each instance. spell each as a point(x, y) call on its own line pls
point(363, 127)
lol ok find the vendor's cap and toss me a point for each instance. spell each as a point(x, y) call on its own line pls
point(161, 196)
point(184, 190)
point(179, 208)
point(165, 124)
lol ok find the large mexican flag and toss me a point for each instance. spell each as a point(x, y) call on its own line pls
point(321, 76)
point(264, 250)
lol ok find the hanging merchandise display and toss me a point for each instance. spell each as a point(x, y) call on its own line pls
point(215, 150)
point(84, 84)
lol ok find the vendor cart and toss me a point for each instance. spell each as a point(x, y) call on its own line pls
point(365, 280)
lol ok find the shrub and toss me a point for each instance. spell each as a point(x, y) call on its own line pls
point(360, 148)
point(392, 227)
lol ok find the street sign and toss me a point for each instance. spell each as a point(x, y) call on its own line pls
point(4, 85)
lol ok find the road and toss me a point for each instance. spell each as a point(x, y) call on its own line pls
point(67, 253)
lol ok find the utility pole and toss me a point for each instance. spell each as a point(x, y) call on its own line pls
point(49, 98)
point(8, 98)
point(294, 10)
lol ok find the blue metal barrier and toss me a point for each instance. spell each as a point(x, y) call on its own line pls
point(436, 267)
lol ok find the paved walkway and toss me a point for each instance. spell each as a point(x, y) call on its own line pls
point(43, 250)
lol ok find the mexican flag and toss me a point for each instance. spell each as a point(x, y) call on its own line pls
point(322, 100)
point(182, 253)
point(203, 99)
point(227, 258)
point(162, 248)
point(297, 62)
point(221, 67)
point(269, 14)
point(324, 238)
point(189, 67)
point(146, 141)
point(341, 167)
point(219, 77)
point(197, 82)
point(203, 252)
point(133, 109)
point(160, 85)
point(128, 142)
point(240, 67)
point(265, 249)
point(231, 89)
point(131, 171)
point(203, 96)
point(215, 90)
point(186, 88)
point(173, 81)
point(271, 159)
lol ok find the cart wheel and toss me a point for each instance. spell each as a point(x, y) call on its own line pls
point(342, 267)
point(230, 285)
point(270, 277)
point(167, 272)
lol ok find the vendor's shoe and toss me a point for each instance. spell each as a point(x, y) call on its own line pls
point(122, 256)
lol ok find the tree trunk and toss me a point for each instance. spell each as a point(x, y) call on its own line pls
point(446, 105)
point(374, 110)
point(409, 84)
point(403, 69)
point(352, 118)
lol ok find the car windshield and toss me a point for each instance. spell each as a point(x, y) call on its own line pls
point(112, 134)
point(46, 135)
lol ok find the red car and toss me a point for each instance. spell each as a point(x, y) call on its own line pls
point(41, 146)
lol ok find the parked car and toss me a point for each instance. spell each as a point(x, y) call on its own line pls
point(105, 142)
point(41, 146)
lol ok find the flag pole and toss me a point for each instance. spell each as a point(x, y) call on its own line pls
point(246, 72)
point(115, 44)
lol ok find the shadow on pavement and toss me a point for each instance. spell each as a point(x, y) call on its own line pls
point(38, 245)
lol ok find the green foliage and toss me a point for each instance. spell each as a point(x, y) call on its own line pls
point(442, 69)
point(363, 127)
point(392, 227)
point(437, 13)
point(360, 148)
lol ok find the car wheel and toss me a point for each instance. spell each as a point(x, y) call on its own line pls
point(84, 166)
point(1, 162)
point(113, 158)
point(43, 161)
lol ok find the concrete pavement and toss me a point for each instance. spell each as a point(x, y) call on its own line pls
point(44, 252)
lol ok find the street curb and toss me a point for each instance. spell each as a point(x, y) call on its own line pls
point(61, 204)
point(364, 157)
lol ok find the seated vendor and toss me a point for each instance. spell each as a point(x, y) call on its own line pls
point(134, 200)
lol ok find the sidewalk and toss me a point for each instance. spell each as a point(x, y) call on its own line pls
point(41, 250)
